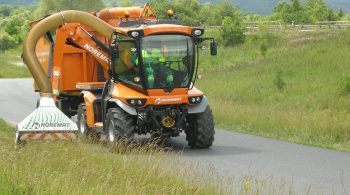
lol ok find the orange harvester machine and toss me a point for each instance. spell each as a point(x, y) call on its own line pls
point(71, 54)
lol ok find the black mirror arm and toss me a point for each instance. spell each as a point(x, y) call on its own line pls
point(202, 39)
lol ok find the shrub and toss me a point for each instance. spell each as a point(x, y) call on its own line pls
point(6, 41)
point(232, 31)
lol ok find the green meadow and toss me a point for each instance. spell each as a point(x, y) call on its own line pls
point(298, 91)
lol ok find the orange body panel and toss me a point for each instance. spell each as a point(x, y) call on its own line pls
point(89, 99)
point(167, 28)
point(73, 68)
point(159, 29)
point(89, 85)
point(70, 64)
point(113, 15)
point(157, 96)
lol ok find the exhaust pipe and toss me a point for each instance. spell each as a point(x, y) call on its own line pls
point(47, 121)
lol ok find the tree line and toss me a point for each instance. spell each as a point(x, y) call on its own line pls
point(14, 21)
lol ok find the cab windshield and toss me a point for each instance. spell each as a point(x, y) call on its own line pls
point(167, 60)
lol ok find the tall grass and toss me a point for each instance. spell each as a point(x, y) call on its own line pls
point(76, 168)
point(83, 168)
point(314, 105)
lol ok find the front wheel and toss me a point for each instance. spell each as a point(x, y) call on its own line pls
point(200, 133)
point(119, 125)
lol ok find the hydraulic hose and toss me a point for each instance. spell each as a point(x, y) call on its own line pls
point(52, 22)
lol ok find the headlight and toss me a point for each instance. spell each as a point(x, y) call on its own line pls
point(197, 32)
point(136, 102)
point(135, 33)
point(195, 99)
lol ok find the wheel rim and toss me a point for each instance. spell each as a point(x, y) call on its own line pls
point(111, 134)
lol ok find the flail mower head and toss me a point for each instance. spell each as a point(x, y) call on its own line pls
point(47, 122)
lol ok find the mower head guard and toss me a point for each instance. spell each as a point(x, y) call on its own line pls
point(47, 122)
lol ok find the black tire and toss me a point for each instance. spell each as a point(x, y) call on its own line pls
point(200, 133)
point(83, 128)
point(120, 125)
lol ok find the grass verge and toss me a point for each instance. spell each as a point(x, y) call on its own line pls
point(82, 168)
point(11, 65)
point(75, 168)
point(300, 91)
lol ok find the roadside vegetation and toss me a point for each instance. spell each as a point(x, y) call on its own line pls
point(289, 85)
point(77, 168)
point(11, 65)
point(83, 168)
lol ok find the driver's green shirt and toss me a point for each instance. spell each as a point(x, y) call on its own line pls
point(148, 59)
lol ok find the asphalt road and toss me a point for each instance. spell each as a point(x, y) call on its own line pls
point(301, 168)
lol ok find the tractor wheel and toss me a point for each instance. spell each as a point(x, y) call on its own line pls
point(200, 133)
point(84, 130)
point(119, 125)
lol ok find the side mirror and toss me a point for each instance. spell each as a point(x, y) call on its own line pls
point(213, 48)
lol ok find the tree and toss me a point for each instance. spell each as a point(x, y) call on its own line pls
point(160, 7)
point(6, 42)
point(5, 10)
point(340, 13)
point(13, 25)
point(213, 14)
point(126, 3)
point(232, 31)
point(292, 12)
point(17, 25)
point(187, 14)
point(47, 7)
point(318, 11)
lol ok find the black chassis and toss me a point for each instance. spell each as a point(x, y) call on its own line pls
point(149, 119)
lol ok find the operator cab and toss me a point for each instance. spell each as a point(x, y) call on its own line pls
point(156, 61)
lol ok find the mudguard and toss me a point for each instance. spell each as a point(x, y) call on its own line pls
point(130, 110)
point(198, 108)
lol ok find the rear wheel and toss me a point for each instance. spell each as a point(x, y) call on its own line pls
point(200, 133)
point(119, 125)
point(82, 125)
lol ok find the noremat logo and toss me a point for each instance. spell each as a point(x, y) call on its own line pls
point(47, 125)
point(96, 53)
point(167, 100)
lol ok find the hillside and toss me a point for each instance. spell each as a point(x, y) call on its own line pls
point(257, 6)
